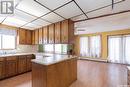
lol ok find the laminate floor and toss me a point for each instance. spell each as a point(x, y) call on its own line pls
point(90, 74)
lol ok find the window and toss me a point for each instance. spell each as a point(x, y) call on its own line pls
point(90, 46)
point(84, 49)
point(7, 39)
point(119, 49)
point(49, 48)
point(61, 48)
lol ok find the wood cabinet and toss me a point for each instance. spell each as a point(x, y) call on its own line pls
point(45, 35)
point(67, 31)
point(28, 37)
point(58, 32)
point(36, 36)
point(40, 36)
point(51, 33)
point(2, 68)
point(22, 64)
point(29, 63)
point(33, 37)
point(11, 66)
point(22, 36)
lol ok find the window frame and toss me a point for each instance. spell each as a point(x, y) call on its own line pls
point(8, 48)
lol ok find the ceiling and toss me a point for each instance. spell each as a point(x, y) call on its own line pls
point(32, 14)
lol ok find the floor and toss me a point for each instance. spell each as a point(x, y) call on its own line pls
point(90, 74)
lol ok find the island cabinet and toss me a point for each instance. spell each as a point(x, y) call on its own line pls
point(2, 68)
point(36, 36)
point(40, 36)
point(45, 35)
point(11, 66)
point(67, 31)
point(58, 32)
point(29, 63)
point(56, 74)
point(51, 33)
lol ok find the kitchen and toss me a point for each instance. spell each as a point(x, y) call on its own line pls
point(65, 43)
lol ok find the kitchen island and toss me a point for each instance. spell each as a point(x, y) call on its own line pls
point(54, 71)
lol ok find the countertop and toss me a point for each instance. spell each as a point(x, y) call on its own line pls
point(52, 59)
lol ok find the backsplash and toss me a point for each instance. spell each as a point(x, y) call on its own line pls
point(22, 49)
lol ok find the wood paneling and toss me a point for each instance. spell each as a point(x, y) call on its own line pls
point(58, 32)
point(40, 36)
point(45, 35)
point(28, 37)
point(11, 66)
point(36, 36)
point(51, 33)
point(22, 64)
point(55, 75)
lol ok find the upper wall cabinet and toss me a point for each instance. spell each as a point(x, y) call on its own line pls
point(51, 33)
point(25, 36)
point(45, 35)
point(22, 36)
point(33, 37)
point(58, 32)
point(67, 31)
point(36, 36)
point(40, 36)
point(28, 37)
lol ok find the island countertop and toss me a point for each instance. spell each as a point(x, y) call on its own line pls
point(52, 59)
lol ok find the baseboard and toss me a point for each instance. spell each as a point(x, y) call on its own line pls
point(95, 59)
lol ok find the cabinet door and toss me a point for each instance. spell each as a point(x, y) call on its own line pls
point(64, 31)
point(28, 37)
point(51, 33)
point(57, 33)
point(22, 36)
point(2, 68)
point(45, 35)
point(22, 64)
point(29, 63)
point(36, 36)
point(33, 37)
point(40, 36)
point(11, 66)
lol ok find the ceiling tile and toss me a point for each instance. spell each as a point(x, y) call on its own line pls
point(69, 10)
point(23, 16)
point(52, 17)
point(30, 6)
point(14, 22)
point(32, 25)
point(40, 22)
point(88, 5)
point(53, 4)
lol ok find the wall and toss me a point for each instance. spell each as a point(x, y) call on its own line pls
point(104, 42)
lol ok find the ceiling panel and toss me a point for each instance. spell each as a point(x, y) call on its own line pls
point(30, 6)
point(52, 17)
point(1, 19)
point(23, 16)
point(32, 25)
point(40, 22)
point(14, 21)
point(88, 5)
point(70, 10)
point(53, 4)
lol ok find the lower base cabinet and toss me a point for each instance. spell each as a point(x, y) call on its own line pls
point(14, 65)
